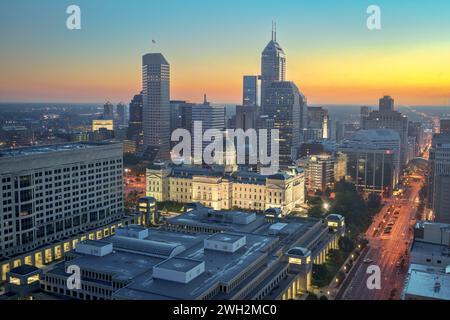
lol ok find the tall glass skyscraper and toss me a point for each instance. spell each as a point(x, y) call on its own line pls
point(156, 105)
point(283, 107)
point(250, 94)
point(273, 65)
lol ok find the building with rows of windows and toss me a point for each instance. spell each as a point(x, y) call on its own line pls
point(49, 194)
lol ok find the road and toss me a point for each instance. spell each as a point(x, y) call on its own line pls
point(386, 250)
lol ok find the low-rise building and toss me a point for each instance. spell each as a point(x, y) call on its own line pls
point(249, 259)
point(219, 190)
point(428, 276)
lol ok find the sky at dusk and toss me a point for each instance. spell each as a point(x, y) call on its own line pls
point(211, 44)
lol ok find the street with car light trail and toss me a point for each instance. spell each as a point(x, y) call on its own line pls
point(386, 249)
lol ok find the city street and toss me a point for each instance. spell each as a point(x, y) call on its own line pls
point(388, 250)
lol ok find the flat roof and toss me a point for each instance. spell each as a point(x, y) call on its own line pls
point(5, 153)
point(434, 285)
point(179, 264)
point(226, 237)
point(219, 267)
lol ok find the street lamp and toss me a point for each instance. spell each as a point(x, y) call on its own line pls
point(326, 206)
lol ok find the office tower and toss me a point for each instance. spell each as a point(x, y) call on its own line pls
point(53, 192)
point(338, 131)
point(386, 104)
point(156, 106)
point(121, 111)
point(364, 113)
point(387, 118)
point(246, 117)
point(373, 160)
point(319, 171)
point(318, 119)
point(282, 105)
point(210, 117)
point(108, 111)
point(250, 91)
point(273, 65)
point(180, 115)
point(439, 180)
point(445, 126)
point(135, 132)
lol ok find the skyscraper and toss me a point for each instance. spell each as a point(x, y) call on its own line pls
point(318, 119)
point(373, 159)
point(108, 111)
point(364, 113)
point(156, 105)
point(439, 180)
point(135, 124)
point(273, 65)
point(387, 118)
point(210, 117)
point(250, 91)
point(121, 114)
point(282, 105)
point(386, 104)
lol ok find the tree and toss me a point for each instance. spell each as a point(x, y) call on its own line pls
point(347, 244)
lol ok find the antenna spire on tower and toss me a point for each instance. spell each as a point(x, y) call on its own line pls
point(274, 31)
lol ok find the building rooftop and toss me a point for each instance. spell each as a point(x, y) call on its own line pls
point(27, 151)
point(24, 270)
point(179, 264)
point(427, 283)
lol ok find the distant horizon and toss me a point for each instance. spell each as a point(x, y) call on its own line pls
point(223, 103)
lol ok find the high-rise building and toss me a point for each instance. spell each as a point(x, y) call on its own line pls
point(156, 105)
point(250, 91)
point(445, 126)
point(364, 113)
point(135, 132)
point(439, 180)
point(121, 111)
point(318, 119)
point(273, 65)
point(50, 193)
point(282, 105)
point(246, 117)
point(319, 171)
point(210, 117)
point(373, 159)
point(338, 131)
point(387, 118)
point(386, 104)
point(108, 111)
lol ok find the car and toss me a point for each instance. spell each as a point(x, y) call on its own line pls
point(367, 260)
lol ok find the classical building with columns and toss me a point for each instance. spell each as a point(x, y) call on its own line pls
point(219, 190)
